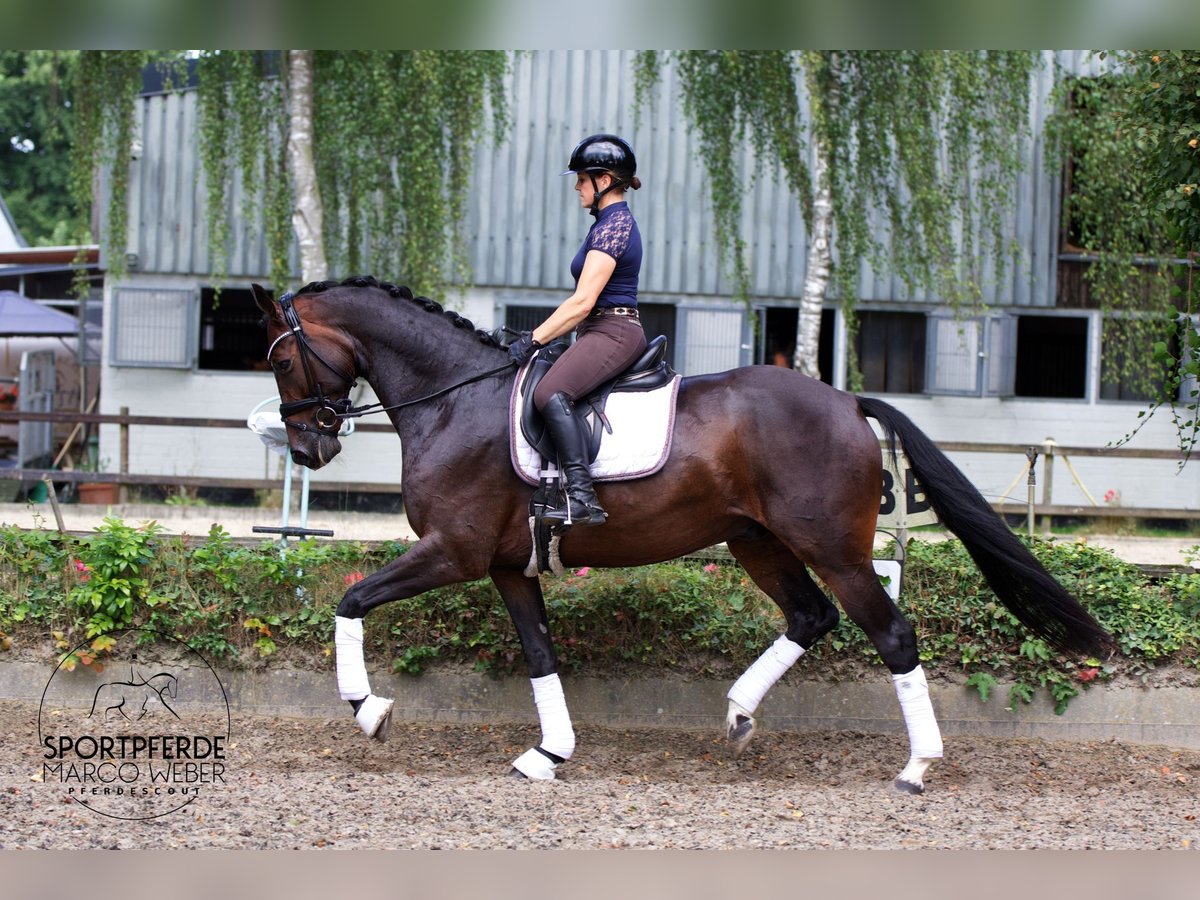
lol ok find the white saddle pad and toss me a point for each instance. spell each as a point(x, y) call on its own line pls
point(642, 423)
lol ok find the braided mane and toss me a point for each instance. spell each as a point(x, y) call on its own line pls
point(402, 292)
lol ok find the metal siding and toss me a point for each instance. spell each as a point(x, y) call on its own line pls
point(524, 222)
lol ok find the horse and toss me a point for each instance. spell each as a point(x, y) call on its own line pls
point(783, 469)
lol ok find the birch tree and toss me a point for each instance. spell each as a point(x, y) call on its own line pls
point(926, 142)
point(361, 157)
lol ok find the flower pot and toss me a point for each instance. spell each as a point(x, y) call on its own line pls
point(97, 492)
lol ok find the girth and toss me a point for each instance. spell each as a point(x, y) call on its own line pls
point(648, 371)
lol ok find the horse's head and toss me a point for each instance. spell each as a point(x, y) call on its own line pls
point(314, 366)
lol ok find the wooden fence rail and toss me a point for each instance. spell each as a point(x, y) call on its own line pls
point(1046, 508)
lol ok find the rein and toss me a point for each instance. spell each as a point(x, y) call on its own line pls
point(330, 413)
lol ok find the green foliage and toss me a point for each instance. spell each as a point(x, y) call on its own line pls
point(112, 565)
point(34, 142)
point(241, 604)
point(1131, 138)
point(105, 87)
point(395, 139)
point(928, 140)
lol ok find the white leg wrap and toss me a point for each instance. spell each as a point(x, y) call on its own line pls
point(924, 736)
point(558, 737)
point(748, 691)
point(351, 670)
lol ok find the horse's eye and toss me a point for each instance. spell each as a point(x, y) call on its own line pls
point(283, 366)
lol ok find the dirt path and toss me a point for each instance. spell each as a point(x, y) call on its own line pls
point(318, 783)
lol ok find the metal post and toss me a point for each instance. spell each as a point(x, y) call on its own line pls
point(1048, 483)
point(287, 494)
point(122, 489)
point(304, 497)
point(1031, 454)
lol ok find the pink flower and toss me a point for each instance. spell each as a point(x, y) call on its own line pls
point(582, 572)
point(353, 578)
point(84, 572)
point(711, 567)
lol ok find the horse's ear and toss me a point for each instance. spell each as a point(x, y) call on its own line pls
point(265, 300)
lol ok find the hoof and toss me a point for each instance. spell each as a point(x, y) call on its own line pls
point(739, 728)
point(534, 765)
point(907, 787)
point(374, 717)
point(740, 734)
point(912, 779)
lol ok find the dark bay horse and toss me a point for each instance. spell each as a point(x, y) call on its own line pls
point(782, 468)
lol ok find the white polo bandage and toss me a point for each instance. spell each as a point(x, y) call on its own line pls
point(749, 690)
point(924, 736)
point(558, 737)
point(351, 669)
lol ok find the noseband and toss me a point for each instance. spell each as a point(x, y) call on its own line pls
point(329, 412)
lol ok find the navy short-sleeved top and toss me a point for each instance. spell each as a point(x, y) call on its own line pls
point(615, 233)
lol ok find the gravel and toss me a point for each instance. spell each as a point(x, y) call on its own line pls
point(305, 783)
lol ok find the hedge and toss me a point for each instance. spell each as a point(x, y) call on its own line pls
point(241, 605)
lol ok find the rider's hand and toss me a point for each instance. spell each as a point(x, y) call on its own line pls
point(523, 348)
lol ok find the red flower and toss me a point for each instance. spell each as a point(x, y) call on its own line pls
point(583, 572)
point(711, 567)
point(353, 578)
point(1086, 675)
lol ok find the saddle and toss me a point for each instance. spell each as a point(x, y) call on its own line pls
point(649, 371)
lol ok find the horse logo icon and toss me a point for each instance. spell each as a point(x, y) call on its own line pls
point(137, 697)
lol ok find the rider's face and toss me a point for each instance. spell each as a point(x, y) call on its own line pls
point(583, 185)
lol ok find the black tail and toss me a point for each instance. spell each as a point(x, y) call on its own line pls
point(1019, 580)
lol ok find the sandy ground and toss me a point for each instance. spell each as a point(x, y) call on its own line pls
point(303, 783)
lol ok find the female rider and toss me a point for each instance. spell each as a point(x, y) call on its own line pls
point(602, 312)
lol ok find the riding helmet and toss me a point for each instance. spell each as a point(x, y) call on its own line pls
point(603, 153)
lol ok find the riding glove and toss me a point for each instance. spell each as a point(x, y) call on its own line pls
point(523, 348)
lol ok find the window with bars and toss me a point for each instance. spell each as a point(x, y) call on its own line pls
point(154, 327)
point(971, 356)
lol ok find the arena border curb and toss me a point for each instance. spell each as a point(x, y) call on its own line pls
point(1161, 715)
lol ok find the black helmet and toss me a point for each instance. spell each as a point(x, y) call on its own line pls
point(603, 153)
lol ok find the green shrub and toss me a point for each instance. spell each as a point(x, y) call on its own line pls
point(239, 603)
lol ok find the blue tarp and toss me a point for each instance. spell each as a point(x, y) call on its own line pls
point(21, 317)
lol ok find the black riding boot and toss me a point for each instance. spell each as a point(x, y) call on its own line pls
point(567, 433)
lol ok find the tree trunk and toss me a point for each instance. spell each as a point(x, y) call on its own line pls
point(816, 278)
point(822, 81)
point(307, 213)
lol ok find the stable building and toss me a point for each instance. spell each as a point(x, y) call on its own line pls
point(1026, 371)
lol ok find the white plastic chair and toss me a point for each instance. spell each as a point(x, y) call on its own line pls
point(264, 420)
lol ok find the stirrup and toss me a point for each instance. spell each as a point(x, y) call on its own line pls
point(580, 514)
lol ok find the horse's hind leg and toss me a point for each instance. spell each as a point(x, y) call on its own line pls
point(523, 598)
point(868, 605)
point(809, 614)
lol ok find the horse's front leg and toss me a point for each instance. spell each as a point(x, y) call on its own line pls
point(523, 597)
point(428, 565)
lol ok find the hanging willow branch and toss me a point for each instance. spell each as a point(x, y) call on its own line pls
point(395, 138)
point(106, 85)
point(926, 143)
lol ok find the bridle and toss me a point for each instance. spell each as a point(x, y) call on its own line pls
point(330, 413)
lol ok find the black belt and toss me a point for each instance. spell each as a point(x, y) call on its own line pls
point(603, 312)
